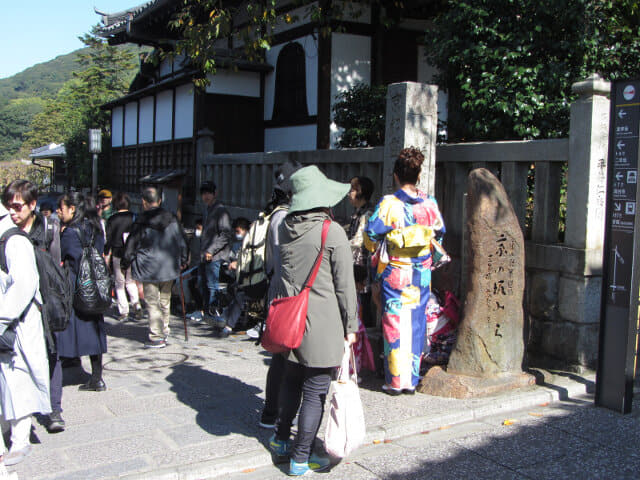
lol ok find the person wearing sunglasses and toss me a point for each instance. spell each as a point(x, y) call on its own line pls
point(20, 198)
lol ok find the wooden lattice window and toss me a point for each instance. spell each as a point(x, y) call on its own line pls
point(290, 103)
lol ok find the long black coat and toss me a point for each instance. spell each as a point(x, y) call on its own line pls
point(85, 334)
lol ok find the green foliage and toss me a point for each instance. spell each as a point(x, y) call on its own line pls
point(44, 89)
point(105, 75)
point(15, 118)
point(360, 112)
point(17, 169)
point(509, 64)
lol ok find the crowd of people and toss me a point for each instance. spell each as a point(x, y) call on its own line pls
point(374, 270)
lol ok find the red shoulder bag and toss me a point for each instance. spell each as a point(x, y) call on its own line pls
point(287, 316)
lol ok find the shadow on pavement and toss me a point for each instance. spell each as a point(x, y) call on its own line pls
point(224, 405)
point(568, 442)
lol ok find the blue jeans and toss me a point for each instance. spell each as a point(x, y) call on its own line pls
point(210, 275)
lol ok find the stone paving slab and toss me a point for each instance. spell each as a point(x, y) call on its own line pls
point(190, 411)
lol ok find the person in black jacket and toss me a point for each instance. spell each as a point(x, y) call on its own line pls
point(117, 231)
point(157, 250)
point(215, 243)
point(85, 334)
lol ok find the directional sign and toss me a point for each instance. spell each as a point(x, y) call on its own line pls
point(621, 260)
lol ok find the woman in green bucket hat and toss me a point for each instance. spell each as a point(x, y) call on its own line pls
point(331, 314)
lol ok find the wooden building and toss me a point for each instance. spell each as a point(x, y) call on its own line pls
point(281, 104)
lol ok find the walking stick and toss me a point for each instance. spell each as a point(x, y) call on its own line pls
point(184, 310)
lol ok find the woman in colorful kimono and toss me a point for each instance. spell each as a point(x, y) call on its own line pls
point(401, 230)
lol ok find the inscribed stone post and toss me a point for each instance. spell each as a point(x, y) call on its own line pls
point(490, 349)
point(411, 121)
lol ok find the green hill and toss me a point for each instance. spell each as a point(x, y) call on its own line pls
point(41, 80)
point(22, 96)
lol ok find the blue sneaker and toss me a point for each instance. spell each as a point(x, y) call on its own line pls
point(315, 464)
point(279, 448)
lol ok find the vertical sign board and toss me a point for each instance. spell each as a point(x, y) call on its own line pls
point(621, 257)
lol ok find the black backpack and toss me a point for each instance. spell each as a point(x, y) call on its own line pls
point(55, 286)
point(92, 293)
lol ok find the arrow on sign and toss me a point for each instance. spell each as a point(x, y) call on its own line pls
point(622, 114)
point(620, 144)
point(617, 206)
point(619, 176)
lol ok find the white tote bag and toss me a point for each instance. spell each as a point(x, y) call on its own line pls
point(345, 425)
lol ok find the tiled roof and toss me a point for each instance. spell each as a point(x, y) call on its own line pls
point(117, 22)
point(48, 151)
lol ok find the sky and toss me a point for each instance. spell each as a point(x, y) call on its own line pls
point(35, 31)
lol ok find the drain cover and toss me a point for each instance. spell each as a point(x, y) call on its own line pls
point(145, 362)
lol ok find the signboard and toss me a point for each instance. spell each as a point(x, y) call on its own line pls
point(619, 311)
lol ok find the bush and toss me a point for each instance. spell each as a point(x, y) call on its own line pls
point(360, 114)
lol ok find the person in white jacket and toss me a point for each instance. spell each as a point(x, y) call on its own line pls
point(24, 373)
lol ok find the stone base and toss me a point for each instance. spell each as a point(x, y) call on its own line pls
point(439, 383)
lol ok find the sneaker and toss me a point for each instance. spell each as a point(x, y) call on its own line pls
point(56, 423)
point(391, 391)
point(138, 313)
point(196, 316)
point(316, 463)
point(279, 448)
point(225, 332)
point(16, 456)
point(123, 317)
point(93, 386)
point(254, 332)
point(155, 344)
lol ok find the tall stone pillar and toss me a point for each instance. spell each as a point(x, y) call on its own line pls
point(588, 150)
point(579, 292)
point(412, 121)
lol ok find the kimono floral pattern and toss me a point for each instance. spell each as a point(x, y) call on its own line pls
point(403, 267)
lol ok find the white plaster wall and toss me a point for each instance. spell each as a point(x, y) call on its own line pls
point(131, 123)
point(184, 111)
point(116, 127)
point(246, 84)
point(146, 120)
point(164, 112)
point(310, 46)
point(290, 138)
point(350, 65)
point(426, 73)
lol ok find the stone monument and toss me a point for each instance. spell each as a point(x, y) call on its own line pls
point(490, 349)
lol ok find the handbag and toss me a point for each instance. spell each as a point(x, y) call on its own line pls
point(345, 426)
point(287, 316)
point(439, 255)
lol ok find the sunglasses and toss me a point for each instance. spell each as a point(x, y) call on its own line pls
point(16, 207)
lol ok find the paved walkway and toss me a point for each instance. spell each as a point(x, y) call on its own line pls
point(191, 411)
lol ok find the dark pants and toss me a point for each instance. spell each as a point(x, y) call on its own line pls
point(311, 385)
point(55, 387)
point(272, 391)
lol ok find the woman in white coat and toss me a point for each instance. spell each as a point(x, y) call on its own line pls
point(24, 373)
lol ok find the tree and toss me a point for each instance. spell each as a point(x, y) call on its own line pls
point(203, 26)
point(14, 123)
point(508, 65)
point(360, 113)
point(105, 75)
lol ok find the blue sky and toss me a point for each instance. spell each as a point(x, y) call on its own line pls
point(34, 31)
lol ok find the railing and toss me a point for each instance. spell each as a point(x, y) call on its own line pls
point(246, 180)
